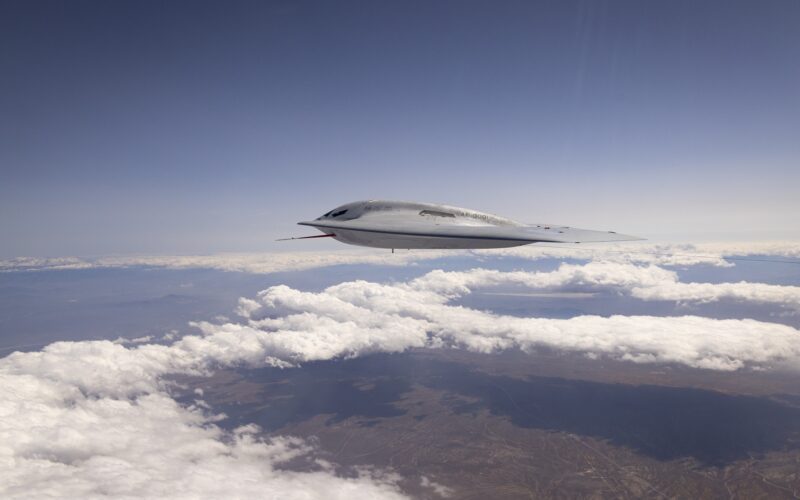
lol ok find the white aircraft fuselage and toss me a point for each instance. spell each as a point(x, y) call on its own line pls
point(402, 224)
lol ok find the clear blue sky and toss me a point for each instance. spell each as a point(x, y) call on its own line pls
point(197, 127)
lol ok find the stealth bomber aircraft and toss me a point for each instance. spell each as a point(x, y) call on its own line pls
point(411, 225)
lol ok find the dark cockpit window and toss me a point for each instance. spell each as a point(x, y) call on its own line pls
point(328, 213)
point(340, 212)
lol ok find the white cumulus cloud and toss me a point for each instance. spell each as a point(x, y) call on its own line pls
point(359, 317)
point(642, 282)
point(94, 419)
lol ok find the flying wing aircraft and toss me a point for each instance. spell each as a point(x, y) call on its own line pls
point(403, 224)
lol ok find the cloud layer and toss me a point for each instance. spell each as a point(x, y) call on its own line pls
point(263, 263)
point(667, 254)
point(260, 263)
point(91, 419)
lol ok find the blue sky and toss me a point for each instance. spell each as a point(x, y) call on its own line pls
point(191, 127)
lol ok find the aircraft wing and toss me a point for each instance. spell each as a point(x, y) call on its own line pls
point(441, 228)
point(564, 234)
